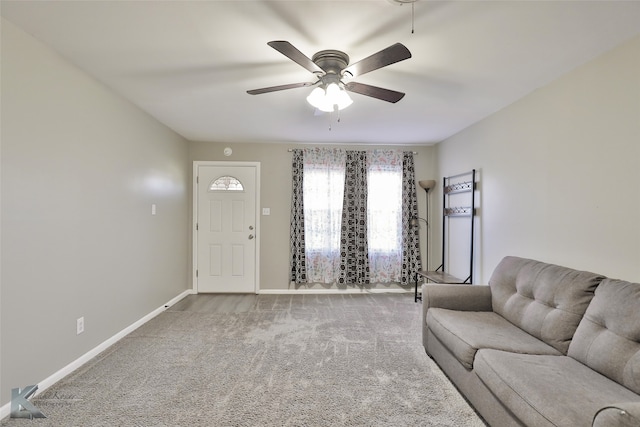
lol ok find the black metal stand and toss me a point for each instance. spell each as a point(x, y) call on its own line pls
point(456, 184)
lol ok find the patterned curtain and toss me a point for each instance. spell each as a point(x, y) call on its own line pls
point(324, 192)
point(353, 227)
point(411, 262)
point(385, 215)
point(354, 253)
point(298, 267)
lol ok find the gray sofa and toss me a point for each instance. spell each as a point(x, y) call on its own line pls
point(542, 345)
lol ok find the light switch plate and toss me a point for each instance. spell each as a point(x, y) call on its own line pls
point(80, 325)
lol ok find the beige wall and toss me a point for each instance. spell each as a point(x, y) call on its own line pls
point(275, 164)
point(560, 171)
point(80, 170)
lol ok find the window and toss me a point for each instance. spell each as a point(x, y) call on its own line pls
point(323, 189)
point(323, 194)
point(384, 219)
point(350, 216)
point(226, 183)
point(385, 211)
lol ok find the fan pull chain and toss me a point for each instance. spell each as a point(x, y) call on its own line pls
point(412, 16)
point(337, 113)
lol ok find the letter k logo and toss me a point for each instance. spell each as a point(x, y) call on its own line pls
point(19, 400)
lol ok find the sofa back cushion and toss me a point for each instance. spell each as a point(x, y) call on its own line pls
point(608, 337)
point(546, 300)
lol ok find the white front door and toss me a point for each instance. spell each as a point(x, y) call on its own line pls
point(226, 227)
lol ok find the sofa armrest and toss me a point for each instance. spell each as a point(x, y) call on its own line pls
point(624, 414)
point(453, 297)
point(456, 297)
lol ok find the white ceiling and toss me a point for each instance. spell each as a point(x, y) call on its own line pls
point(189, 63)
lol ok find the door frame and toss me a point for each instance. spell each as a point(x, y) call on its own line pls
point(194, 219)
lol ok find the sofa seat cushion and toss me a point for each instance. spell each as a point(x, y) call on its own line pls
point(463, 333)
point(548, 390)
point(546, 300)
point(608, 338)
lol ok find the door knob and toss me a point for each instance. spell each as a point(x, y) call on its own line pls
point(250, 236)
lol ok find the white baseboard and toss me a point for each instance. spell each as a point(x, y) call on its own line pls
point(49, 381)
point(323, 291)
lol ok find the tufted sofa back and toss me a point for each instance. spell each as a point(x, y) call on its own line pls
point(545, 300)
point(608, 337)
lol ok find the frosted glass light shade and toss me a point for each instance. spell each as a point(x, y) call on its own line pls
point(427, 184)
point(330, 99)
point(316, 96)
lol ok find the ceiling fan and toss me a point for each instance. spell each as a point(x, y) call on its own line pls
point(331, 67)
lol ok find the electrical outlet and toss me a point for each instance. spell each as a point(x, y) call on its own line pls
point(80, 325)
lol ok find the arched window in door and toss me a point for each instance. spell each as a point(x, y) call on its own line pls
point(226, 183)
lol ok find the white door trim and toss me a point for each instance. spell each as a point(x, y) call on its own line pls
point(194, 219)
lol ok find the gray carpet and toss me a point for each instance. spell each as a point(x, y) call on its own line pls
point(313, 360)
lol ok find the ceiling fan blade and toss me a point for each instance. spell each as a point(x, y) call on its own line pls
point(290, 51)
point(277, 88)
point(374, 92)
point(394, 53)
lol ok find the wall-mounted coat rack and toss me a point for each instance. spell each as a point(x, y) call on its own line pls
point(458, 204)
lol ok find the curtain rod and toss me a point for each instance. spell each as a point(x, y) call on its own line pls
point(291, 149)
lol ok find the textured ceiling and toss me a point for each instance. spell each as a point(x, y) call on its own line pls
point(189, 63)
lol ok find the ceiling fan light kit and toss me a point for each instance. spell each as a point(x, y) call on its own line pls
point(330, 99)
point(330, 67)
